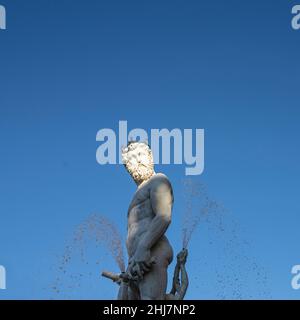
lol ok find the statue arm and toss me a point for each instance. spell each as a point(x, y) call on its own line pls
point(184, 283)
point(176, 280)
point(180, 285)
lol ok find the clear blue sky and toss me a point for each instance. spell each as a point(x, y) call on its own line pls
point(69, 68)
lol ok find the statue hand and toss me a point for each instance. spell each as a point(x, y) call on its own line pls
point(182, 256)
point(140, 264)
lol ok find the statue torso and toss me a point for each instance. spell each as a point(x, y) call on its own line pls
point(140, 214)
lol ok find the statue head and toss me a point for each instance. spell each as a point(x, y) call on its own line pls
point(138, 161)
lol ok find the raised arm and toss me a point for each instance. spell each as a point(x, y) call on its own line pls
point(180, 278)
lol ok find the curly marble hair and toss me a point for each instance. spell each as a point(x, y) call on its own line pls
point(138, 160)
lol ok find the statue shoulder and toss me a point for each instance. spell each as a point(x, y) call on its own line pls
point(161, 183)
point(160, 178)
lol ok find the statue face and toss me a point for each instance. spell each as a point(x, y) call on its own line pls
point(138, 160)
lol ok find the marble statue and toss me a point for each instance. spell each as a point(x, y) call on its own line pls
point(149, 216)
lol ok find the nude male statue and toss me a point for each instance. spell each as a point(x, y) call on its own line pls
point(149, 216)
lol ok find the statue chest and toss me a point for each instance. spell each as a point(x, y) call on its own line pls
point(140, 207)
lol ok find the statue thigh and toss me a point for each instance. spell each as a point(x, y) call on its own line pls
point(153, 286)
